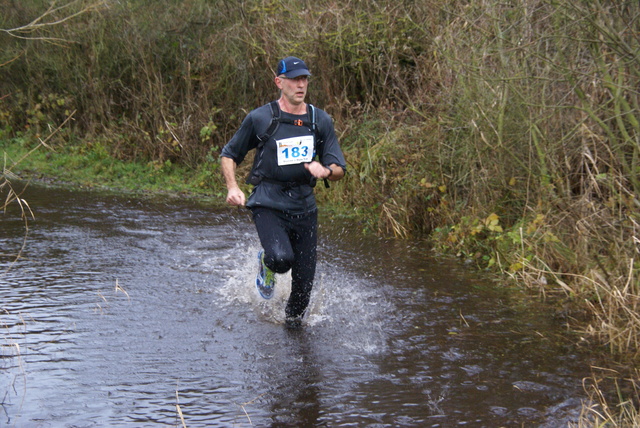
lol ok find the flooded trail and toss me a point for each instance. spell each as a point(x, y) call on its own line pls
point(128, 312)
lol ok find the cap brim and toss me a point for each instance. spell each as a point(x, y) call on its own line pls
point(295, 73)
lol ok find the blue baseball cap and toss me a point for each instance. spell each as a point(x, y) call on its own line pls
point(293, 67)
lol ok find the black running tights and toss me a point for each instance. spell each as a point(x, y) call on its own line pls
point(289, 242)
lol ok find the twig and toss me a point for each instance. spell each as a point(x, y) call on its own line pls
point(119, 288)
point(184, 424)
point(42, 142)
point(36, 23)
point(463, 318)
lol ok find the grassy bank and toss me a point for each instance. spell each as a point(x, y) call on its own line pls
point(507, 132)
point(89, 165)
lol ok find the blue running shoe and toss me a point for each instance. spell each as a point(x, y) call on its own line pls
point(266, 279)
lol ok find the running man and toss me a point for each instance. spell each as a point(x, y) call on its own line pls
point(295, 145)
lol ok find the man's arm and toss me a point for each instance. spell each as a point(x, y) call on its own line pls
point(235, 196)
point(336, 172)
point(330, 154)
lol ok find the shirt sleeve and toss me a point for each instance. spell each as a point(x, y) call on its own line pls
point(242, 141)
point(329, 151)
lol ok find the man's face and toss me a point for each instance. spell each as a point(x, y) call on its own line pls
point(295, 89)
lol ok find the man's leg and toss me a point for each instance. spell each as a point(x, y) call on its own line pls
point(304, 239)
point(272, 231)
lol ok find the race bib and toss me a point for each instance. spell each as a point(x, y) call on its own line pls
point(295, 150)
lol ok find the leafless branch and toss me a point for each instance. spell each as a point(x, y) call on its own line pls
point(39, 23)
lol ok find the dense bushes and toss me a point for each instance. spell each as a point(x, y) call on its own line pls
point(548, 104)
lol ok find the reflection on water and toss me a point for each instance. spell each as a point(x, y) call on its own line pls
point(123, 310)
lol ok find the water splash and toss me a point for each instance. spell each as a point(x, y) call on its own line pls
point(350, 310)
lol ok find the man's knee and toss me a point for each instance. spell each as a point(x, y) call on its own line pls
point(279, 262)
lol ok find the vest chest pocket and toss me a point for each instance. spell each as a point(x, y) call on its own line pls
point(295, 150)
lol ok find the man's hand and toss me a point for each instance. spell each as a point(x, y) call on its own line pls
point(319, 171)
point(235, 197)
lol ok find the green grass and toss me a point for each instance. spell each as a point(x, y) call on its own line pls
point(90, 165)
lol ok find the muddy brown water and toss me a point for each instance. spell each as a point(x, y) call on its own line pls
point(130, 312)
